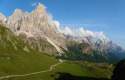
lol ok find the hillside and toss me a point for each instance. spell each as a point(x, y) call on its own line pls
point(18, 58)
point(44, 34)
point(33, 46)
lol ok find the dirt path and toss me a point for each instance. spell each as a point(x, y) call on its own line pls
point(48, 70)
point(29, 74)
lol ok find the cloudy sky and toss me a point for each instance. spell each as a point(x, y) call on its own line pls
point(107, 16)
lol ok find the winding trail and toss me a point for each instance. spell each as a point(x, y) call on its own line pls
point(29, 74)
point(43, 71)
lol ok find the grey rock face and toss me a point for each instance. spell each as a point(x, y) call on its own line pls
point(38, 29)
point(38, 24)
point(2, 18)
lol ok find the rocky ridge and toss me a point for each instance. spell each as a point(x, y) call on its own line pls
point(38, 29)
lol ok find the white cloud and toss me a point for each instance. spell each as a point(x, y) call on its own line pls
point(81, 32)
point(67, 31)
point(85, 33)
point(57, 24)
point(34, 4)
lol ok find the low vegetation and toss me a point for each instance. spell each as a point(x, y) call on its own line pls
point(18, 58)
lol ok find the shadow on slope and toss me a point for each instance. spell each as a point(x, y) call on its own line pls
point(67, 76)
point(119, 71)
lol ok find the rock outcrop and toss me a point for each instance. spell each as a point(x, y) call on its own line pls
point(43, 33)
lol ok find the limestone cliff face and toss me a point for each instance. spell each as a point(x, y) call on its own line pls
point(41, 32)
point(38, 25)
point(2, 18)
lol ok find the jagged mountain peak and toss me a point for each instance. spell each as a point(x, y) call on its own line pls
point(18, 11)
point(35, 22)
point(2, 18)
point(40, 8)
point(38, 25)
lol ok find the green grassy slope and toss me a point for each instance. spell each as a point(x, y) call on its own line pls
point(75, 68)
point(17, 58)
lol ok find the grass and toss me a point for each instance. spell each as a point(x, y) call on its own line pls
point(17, 57)
point(25, 63)
point(87, 69)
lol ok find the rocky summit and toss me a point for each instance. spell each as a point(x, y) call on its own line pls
point(44, 34)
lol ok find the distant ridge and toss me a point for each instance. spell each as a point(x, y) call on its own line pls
point(36, 27)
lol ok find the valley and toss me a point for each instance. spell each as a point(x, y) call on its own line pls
point(34, 47)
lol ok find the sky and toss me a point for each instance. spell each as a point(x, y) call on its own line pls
point(96, 15)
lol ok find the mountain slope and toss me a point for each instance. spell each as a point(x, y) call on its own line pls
point(42, 33)
point(17, 57)
point(36, 26)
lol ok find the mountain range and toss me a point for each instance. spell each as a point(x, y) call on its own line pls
point(37, 30)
